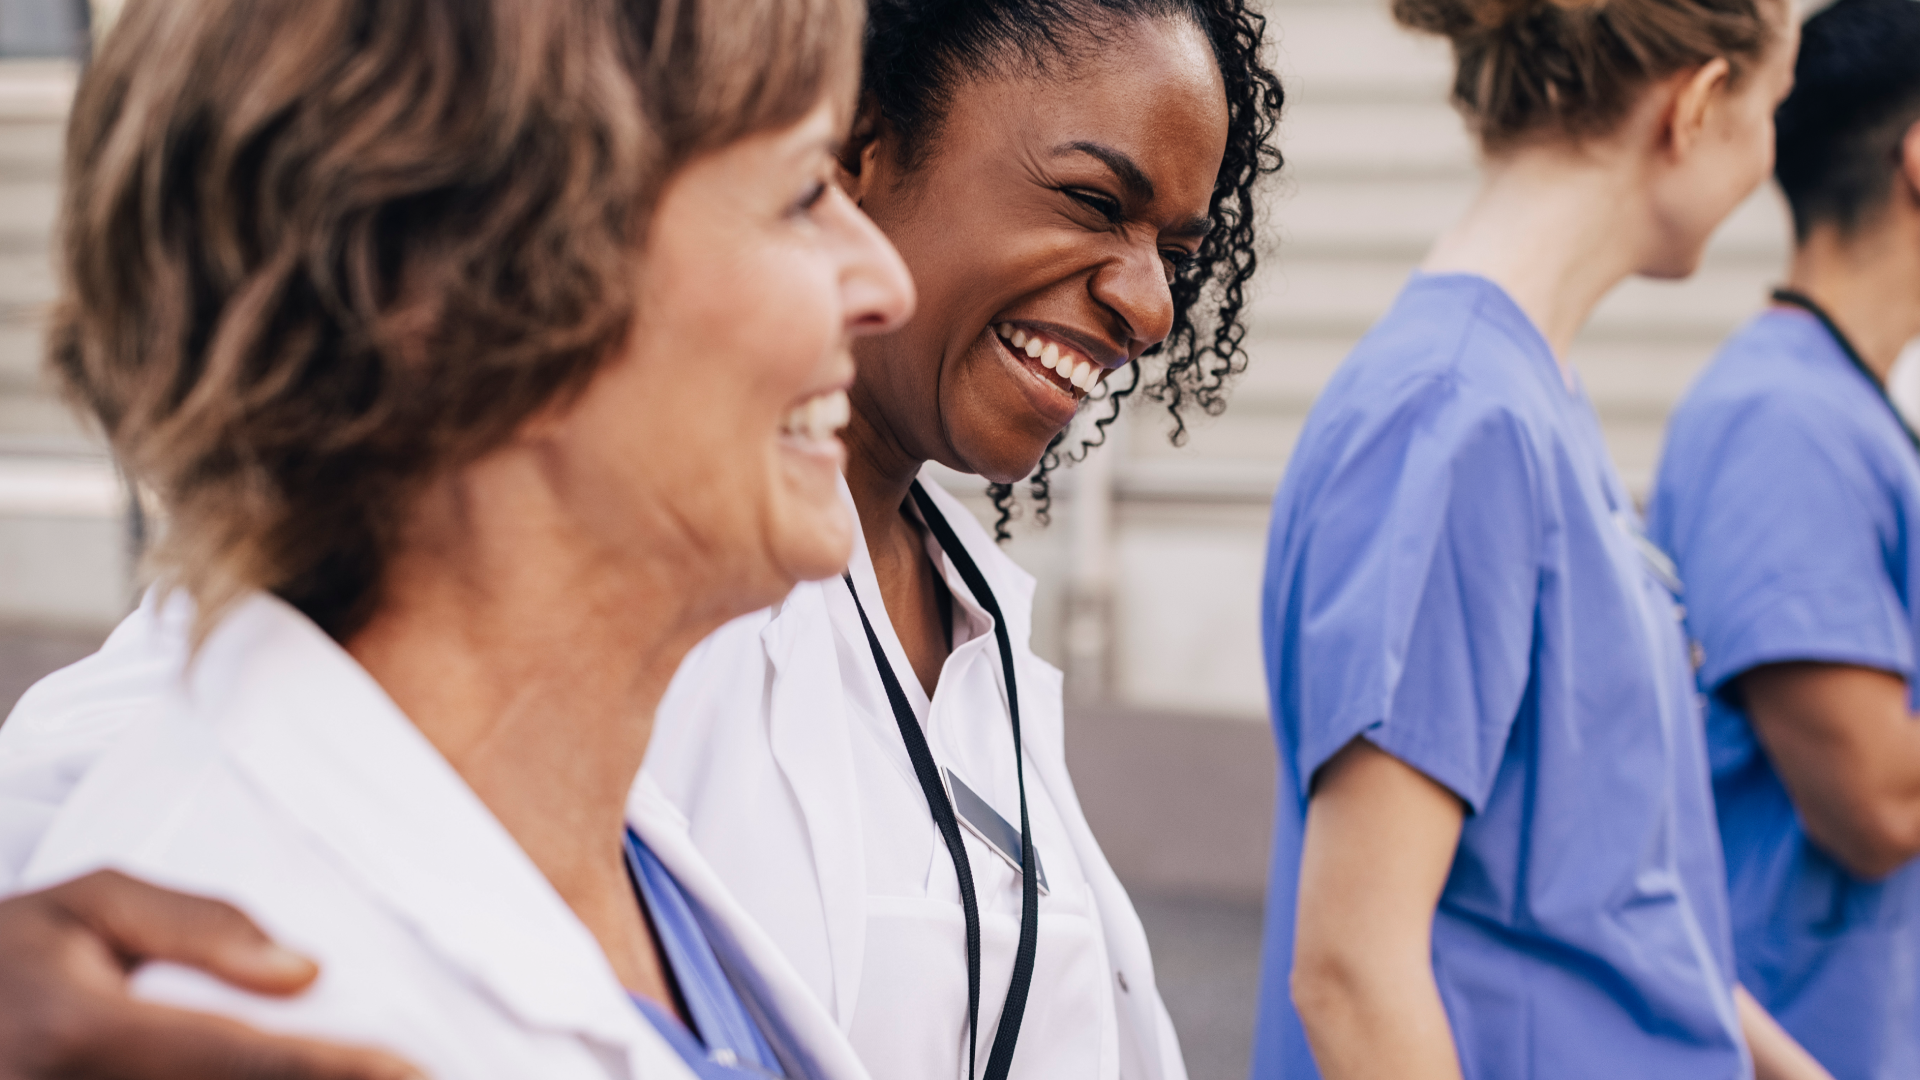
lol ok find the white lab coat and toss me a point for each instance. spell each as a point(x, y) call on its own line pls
point(279, 776)
point(776, 745)
point(777, 741)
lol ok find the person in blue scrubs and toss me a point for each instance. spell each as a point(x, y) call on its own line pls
point(1789, 497)
point(1494, 853)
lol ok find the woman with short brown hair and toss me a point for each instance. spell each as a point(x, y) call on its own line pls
point(485, 355)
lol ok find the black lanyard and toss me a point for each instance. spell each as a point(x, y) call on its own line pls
point(1000, 1059)
point(1805, 303)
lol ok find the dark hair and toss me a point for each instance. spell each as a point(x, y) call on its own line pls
point(317, 251)
point(919, 52)
point(1856, 92)
point(1574, 68)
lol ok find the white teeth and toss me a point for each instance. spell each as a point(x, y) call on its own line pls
point(817, 418)
point(1070, 366)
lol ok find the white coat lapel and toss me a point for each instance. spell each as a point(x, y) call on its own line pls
point(1150, 1050)
point(808, 734)
point(809, 1044)
point(314, 730)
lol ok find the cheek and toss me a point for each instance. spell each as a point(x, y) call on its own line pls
point(760, 336)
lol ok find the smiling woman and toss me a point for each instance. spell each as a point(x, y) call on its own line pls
point(395, 303)
point(873, 767)
point(1070, 183)
point(934, 69)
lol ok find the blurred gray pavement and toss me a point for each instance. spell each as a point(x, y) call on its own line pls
point(29, 651)
point(1183, 807)
point(1206, 956)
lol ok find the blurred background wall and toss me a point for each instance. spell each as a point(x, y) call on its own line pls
point(1149, 592)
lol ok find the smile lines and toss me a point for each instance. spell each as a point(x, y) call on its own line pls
point(1060, 359)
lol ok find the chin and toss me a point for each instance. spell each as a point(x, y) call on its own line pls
point(1673, 268)
point(1002, 460)
point(1678, 261)
point(816, 545)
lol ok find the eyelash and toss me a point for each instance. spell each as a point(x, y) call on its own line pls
point(1110, 209)
point(811, 199)
point(1099, 204)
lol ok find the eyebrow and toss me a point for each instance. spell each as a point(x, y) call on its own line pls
point(1134, 179)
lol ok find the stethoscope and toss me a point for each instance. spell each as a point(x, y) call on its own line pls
point(1000, 1058)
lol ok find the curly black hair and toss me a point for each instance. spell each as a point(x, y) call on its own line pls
point(919, 51)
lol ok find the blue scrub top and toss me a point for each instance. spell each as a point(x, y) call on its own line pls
point(1455, 574)
point(1789, 495)
point(727, 1043)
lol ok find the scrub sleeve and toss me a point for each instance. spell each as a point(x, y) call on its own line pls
point(1418, 585)
point(1782, 553)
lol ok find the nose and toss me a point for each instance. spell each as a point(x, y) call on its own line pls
point(1134, 287)
point(876, 290)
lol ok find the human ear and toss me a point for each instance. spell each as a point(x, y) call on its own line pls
point(862, 148)
point(1910, 160)
point(1694, 101)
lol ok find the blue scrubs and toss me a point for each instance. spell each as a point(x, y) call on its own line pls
point(1454, 574)
point(727, 1043)
point(1789, 496)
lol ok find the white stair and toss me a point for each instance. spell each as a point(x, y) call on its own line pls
point(63, 542)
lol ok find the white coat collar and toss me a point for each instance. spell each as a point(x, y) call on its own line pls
point(807, 1041)
point(817, 761)
point(1013, 588)
point(301, 718)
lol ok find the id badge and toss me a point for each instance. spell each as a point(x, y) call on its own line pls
point(984, 822)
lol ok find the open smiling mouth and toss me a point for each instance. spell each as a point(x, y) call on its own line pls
point(815, 422)
point(1061, 363)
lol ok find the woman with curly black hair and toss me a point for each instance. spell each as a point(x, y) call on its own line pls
point(1072, 184)
point(919, 54)
point(875, 767)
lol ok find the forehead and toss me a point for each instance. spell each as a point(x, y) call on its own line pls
point(1149, 88)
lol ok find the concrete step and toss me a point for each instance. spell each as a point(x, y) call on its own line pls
point(1341, 297)
point(1352, 51)
point(1389, 215)
point(64, 556)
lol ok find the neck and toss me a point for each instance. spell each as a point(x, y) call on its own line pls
point(1869, 284)
point(1547, 226)
point(534, 663)
point(880, 469)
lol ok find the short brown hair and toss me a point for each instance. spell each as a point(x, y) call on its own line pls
point(315, 251)
point(1526, 68)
